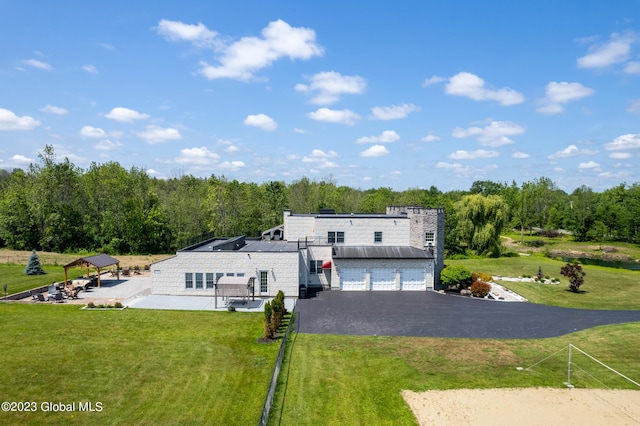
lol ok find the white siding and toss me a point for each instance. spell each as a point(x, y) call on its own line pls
point(359, 231)
point(168, 276)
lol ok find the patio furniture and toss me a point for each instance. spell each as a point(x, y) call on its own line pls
point(40, 297)
point(126, 272)
point(59, 297)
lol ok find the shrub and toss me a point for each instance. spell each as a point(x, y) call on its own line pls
point(574, 272)
point(534, 243)
point(33, 265)
point(91, 305)
point(455, 276)
point(268, 333)
point(480, 288)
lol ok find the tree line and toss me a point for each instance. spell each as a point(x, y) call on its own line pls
point(56, 206)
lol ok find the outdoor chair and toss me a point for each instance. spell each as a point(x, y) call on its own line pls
point(33, 295)
point(40, 297)
point(58, 298)
point(126, 272)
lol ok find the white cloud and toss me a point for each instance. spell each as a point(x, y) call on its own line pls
point(496, 134)
point(92, 132)
point(632, 67)
point(320, 159)
point(472, 86)
point(571, 151)
point(393, 112)
point(262, 121)
point(343, 116)
point(197, 34)
point(624, 143)
point(620, 155)
point(561, 93)
point(634, 106)
point(21, 159)
point(197, 156)
point(156, 134)
point(50, 109)
point(10, 121)
point(232, 165)
point(591, 165)
point(91, 69)
point(231, 149)
point(240, 60)
point(430, 138)
point(301, 131)
point(327, 87)
point(107, 145)
point(38, 64)
point(125, 115)
point(520, 155)
point(616, 50)
point(473, 155)
point(444, 165)
point(387, 136)
point(375, 151)
point(434, 79)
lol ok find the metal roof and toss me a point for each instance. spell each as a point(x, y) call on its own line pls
point(99, 261)
point(380, 252)
point(270, 245)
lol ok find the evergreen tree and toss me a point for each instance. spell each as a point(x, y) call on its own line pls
point(33, 265)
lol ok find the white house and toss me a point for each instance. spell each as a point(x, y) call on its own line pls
point(400, 250)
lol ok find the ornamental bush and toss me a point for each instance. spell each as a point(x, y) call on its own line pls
point(480, 288)
point(455, 276)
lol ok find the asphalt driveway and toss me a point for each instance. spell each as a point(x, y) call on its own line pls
point(431, 314)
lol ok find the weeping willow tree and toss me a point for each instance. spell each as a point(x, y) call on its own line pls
point(480, 221)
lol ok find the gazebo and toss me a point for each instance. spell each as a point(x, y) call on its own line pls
point(98, 261)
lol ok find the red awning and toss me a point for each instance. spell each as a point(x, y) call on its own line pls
point(326, 265)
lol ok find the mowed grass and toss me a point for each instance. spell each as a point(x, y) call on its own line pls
point(603, 288)
point(16, 280)
point(357, 380)
point(146, 367)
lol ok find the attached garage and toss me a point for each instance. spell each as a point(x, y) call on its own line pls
point(383, 268)
point(413, 279)
point(352, 279)
point(383, 278)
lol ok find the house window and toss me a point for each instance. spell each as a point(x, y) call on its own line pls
point(230, 274)
point(188, 280)
point(198, 279)
point(429, 237)
point(209, 278)
point(218, 276)
point(240, 274)
point(377, 237)
point(264, 281)
point(335, 237)
point(315, 267)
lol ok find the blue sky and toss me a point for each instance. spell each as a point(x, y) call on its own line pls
point(399, 94)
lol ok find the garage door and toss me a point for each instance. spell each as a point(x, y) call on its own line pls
point(383, 278)
point(413, 279)
point(352, 279)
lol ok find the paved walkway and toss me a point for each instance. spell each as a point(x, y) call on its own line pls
point(443, 315)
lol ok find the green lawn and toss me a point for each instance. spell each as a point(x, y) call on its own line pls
point(603, 288)
point(144, 366)
point(350, 380)
point(15, 279)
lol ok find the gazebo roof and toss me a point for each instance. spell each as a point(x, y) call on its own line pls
point(99, 261)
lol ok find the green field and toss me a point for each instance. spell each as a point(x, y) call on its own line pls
point(340, 380)
point(603, 288)
point(144, 366)
point(15, 279)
